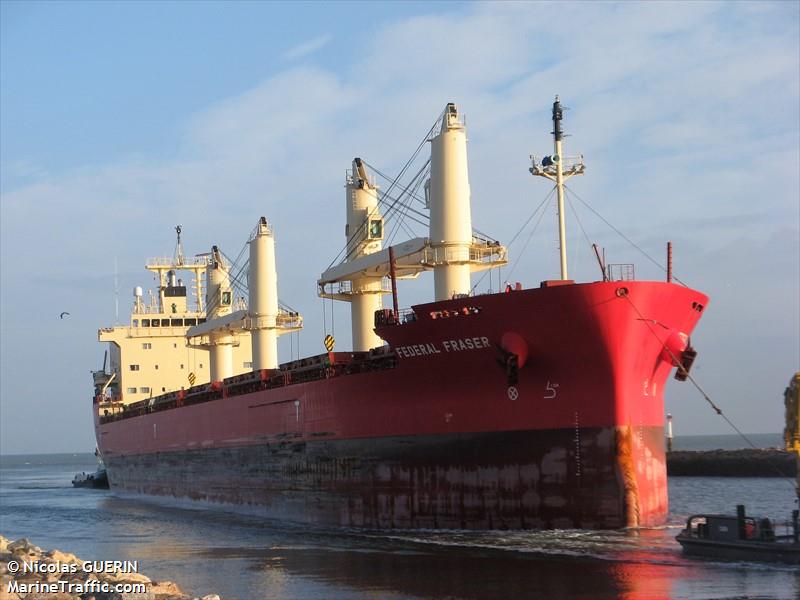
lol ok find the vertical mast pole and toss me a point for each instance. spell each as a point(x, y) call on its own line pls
point(562, 228)
point(116, 293)
point(669, 432)
point(669, 262)
point(393, 275)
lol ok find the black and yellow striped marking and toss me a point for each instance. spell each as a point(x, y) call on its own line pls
point(329, 343)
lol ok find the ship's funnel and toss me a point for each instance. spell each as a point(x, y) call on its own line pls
point(364, 233)
point(263, 305)
point(451, 218)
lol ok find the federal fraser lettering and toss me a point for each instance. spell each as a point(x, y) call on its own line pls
point(432, 348)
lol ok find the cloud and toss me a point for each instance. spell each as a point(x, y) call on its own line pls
point(307, 48)
point(686, 113)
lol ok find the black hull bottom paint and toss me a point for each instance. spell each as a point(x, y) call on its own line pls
point(503, 480)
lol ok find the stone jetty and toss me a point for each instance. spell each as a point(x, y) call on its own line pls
point(29, 573)
point(769, 462)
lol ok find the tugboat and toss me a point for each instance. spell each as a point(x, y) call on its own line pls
point(96, 480)
point(739, 538)
point(747, 538)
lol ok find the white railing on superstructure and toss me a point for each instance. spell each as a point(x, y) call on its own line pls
point(167, 261)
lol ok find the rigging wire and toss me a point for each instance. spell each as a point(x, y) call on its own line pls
point(623, 236)
point(583, 229)
point(405, 207)
point(513, 239)
point(239, 279)
point(405, 191)
point(422, 143)
point(533, 214)
point(525, 246)
point(703, 393)
point(380, 173)
point(422, 201)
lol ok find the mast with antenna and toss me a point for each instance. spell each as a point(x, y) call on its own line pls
point(559, 168)
point(178, 247)
point(116, 292)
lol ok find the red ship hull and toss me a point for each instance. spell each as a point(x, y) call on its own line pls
point(444, 438)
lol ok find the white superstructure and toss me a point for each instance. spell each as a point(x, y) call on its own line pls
point(149, 355)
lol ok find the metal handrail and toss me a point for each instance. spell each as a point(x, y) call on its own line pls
point(168, 261)
point(346, 287)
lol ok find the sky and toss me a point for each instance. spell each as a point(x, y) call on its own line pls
point(120, 120)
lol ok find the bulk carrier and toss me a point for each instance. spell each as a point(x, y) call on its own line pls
point(525, 408)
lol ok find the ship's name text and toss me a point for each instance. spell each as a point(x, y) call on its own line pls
point(431, 348)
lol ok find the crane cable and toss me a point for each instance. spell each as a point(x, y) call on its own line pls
point(516, 235)
point(352, 238)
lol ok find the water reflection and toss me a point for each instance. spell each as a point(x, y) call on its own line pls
point(241, 556)
point(245, 557)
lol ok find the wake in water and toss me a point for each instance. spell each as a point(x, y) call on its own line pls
point(656, 545)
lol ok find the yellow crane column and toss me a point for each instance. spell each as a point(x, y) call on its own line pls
point(364, 234)
point(219, 301)
point(449, 201)
point(263, 291)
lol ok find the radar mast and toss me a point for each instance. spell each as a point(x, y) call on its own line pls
point(559, 168)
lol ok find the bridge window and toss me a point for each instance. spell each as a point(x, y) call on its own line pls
point(190, 322)
point(145, 322)
point(155, 322)
point(376, 229)
point(165, 322)
point(177, 322)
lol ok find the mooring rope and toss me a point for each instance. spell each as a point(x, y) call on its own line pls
point(681, 368)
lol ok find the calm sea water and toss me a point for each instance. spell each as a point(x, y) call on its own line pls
point(727, 442)
point(243, 557)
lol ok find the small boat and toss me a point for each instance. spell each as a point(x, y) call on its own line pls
point(740, 537)
point(97, 480)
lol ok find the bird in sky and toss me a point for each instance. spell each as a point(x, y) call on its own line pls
point(63, 314)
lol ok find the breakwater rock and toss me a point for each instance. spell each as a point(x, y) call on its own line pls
point(769, 462)
point(29, 573)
